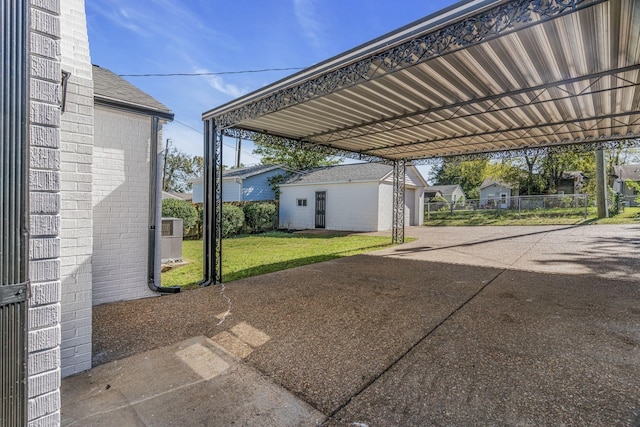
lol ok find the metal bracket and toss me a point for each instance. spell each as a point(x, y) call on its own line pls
point(11, 294)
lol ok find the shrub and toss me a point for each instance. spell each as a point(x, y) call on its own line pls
point(260, 216)
point(232, 220)
point(180, 209)
point(441, 203)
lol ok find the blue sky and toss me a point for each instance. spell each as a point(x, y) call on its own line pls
point(194, 36)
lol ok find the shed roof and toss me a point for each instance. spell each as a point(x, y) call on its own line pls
point(488, 182)
point(480, 76)
point(112, 90)
point(342, 173)
point(444, 189)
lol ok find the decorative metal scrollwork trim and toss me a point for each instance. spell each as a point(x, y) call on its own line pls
point(472, 30)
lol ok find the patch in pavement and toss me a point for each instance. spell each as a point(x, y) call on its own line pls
point(194, 382)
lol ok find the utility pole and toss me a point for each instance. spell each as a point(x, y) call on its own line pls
point(164, 164)
point(601, 184)
point(239, 147)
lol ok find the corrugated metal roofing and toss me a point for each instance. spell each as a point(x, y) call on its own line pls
point(481, 76)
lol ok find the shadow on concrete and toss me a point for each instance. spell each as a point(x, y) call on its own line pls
point(387, 341)
point(613, 257)
point(545, 231)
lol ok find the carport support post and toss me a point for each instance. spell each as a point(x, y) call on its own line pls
point(601, 184)
point(212, 212)
point(399, 170)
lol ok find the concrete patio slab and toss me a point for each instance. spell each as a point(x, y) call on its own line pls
point(447, 330)
point(193, 383)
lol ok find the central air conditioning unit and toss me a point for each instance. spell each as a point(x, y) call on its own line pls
point(171, 240)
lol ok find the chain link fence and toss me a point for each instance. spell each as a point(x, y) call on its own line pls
point(565, 204)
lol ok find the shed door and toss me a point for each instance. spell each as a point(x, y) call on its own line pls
point(321, 209)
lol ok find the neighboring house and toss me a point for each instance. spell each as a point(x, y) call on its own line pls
point(453, 193)
point(430, 194)
point(571, 182)
point(354, 197)
point(622, 175)
point(243, 184)
point(495, 193)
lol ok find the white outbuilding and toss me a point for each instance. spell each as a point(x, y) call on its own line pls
point(354, 197)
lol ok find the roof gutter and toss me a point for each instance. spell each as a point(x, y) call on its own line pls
point(133, 108)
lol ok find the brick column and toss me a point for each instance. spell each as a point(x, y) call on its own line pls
point(44, 183)
point(76, 159)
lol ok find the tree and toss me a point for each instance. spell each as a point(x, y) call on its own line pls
point(173, 208)
point(179, 168)
point(274, 151)
point(468, 174)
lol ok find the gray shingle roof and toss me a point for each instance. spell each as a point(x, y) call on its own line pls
point(114, 90)
point(444, 189)
point(249, 171)
point(342, 173)
point(491, 181)
point(627, 172)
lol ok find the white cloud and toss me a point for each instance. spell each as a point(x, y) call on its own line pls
point(218, 83)
point(307, 17)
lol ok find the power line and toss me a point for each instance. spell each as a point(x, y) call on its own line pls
point(220, 73)
point(245, 152)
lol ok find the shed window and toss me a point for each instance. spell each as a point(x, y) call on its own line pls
point(302, 202)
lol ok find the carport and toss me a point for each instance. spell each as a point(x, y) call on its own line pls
point(477, 78)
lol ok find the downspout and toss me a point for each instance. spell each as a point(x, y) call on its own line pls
point(155, 213)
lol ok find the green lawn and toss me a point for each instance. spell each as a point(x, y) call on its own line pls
point(248, 256)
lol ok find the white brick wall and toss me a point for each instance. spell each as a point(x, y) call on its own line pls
point(44, 184)
point(75, 184)
point(121, 184)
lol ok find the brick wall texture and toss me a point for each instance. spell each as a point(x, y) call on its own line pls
point(121, 183)
point(76, 151)
point(44, 184)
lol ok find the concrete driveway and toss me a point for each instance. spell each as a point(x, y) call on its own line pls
point(464, 326)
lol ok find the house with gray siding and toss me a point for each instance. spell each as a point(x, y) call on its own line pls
point(246, 184)
point(495, 193)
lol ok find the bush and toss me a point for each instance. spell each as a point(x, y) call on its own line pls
point(232, 220)
point(441, 203)
point(260, 216)
point(182, 209)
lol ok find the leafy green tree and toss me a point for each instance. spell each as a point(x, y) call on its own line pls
point(274, 150)
point(468, 174)
point(179, 168)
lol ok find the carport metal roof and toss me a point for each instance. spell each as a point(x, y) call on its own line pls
point(480, 76)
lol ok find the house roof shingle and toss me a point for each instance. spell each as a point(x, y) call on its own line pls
point(627, 172)
point(248, 171)
point(444, 189)
point(111, 89)
point(342, 173)
point(492, 181)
